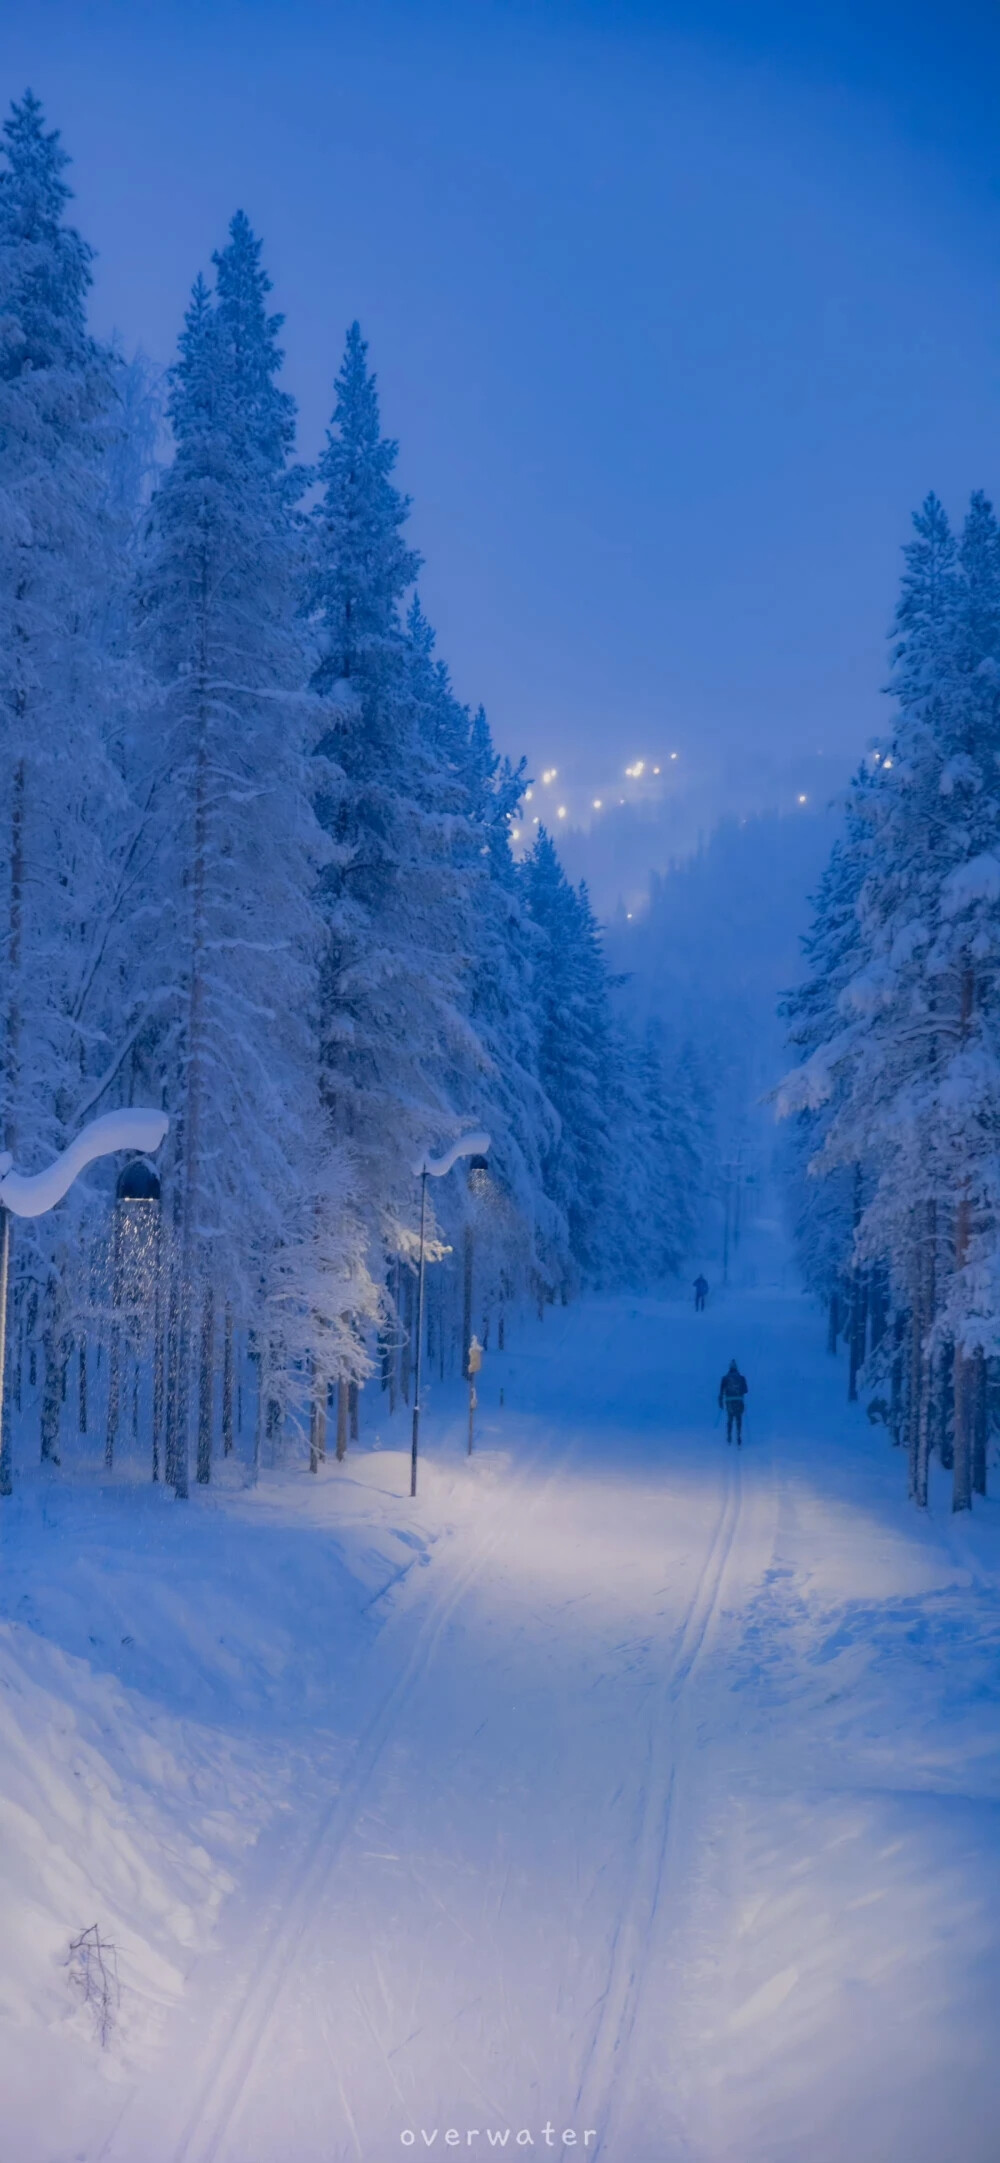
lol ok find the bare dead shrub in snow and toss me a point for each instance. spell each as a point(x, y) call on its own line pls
point(93, 1967)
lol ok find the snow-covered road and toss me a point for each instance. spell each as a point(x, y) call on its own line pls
point(661, 1810)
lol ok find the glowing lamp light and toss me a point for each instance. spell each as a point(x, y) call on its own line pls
point(887, 762)
point(597, 803)
point(561, 813)
point(803, 799)
point(515, 833)
point(673, 754)
point(528, 794)
point(479, 1177)
point(137, 1183)
point(656, 769)
point(550, 775)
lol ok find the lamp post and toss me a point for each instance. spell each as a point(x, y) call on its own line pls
point(33, 1194)
point(428, 1167)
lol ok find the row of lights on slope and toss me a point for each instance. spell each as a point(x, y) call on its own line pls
point(551, 773)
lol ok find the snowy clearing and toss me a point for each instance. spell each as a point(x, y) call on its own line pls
point(623, 1784)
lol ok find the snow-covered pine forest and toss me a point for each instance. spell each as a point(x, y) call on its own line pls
point(257, 869)
point(894, 1103)
point(628, 1786)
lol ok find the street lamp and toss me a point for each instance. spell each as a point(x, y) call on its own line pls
point(428, 1167)
point(33, 1194)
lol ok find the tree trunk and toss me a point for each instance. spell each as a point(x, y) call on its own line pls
point(926, 1368)
point(114, 1395)
point(859, 1324)
point(54, 1364)
point(946, 1407)
point(924, 1425)
point(227, 1384)
point(82, 1376)
point(878, 1305)
point(914, 1377)
point(467, 1301)
point(354, 1409)
point(341, 1420)
point(158, 1376)
point(979, 1422)
point(961, 1488)
point(177, 1373)
point(896, 1405)
point(206, 1386)
point(257, 1357)
point(833, 1323)
point(274, 1415)
point(317, 1421)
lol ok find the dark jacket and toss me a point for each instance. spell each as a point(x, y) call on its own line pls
point(733, 1385)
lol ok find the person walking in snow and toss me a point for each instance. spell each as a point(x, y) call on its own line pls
point(733, 1390)
point(700, 1294)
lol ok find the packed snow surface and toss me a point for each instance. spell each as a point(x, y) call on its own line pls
point(624, 1786)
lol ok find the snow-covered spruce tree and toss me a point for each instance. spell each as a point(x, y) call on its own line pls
point(915, 1056)
point(674, 1141)
point(238, 936)
point(825, 1211)
point(59, 416)
point(575, 1053)
point(509, 1232)
point(398, 1051)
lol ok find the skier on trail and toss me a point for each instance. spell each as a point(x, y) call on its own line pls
point(700, 1293)
point(733, 1390)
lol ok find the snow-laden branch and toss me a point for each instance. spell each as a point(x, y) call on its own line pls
point(31, 1194)
point(470, 1145)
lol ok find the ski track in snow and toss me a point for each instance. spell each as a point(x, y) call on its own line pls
point(664, 1801)
point(233, 2056)
point(607, 2059)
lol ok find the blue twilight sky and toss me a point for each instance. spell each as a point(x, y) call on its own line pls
point(677, 311)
